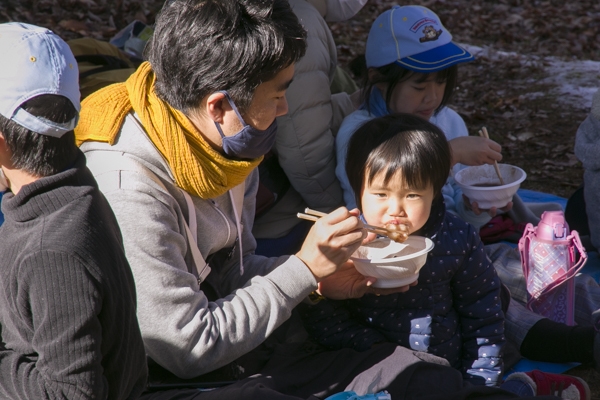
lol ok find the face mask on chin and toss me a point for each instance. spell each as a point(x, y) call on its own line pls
point(249, 143)
point(342, 10)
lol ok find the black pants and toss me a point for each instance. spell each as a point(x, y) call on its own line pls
point(302, 371)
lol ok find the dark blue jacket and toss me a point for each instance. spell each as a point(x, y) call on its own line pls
point(453, 312)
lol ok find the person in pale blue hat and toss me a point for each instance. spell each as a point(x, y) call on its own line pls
point(68, 326)
point(412, 67)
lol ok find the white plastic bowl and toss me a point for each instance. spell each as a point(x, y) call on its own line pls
point(476, 183)
point(393, 264)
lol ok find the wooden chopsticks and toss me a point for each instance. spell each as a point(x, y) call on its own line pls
point(313, 215)
point(484, 133)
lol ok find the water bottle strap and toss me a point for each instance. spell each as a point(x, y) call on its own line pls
point(524, 244)
point(574, 268)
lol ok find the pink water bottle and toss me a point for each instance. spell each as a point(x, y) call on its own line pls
point(550, 257)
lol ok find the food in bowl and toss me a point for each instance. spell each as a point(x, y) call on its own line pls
point(396, 232)
point(482, 185)
point(393, 264)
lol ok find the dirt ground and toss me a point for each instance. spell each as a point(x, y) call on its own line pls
point(511, 88)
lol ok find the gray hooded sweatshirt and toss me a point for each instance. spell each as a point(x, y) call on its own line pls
point(182, 330)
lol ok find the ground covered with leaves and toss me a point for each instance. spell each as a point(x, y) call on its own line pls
point(511, 88)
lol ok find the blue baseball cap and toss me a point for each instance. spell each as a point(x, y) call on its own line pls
point(414, 38)
point(36, 61)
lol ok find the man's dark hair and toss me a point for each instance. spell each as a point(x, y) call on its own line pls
point(401, 143)
point(37, 154)
point(202, 46)
point(392, 74)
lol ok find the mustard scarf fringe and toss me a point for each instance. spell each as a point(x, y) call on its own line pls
point(198, 168)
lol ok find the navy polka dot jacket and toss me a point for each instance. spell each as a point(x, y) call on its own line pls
point(454, 312)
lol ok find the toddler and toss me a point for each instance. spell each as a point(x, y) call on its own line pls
point(397, 166)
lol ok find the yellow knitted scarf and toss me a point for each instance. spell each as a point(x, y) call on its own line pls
point(197, 167)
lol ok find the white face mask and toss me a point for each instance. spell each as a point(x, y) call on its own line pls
point(342, 10)
point(3, 182)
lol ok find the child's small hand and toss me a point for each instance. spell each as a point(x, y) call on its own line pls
point(478, 211)
point(474, 150)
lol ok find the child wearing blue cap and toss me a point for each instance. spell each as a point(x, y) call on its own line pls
point(411, 65)
point(68, 326)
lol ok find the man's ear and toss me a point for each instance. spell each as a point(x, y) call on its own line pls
point(216, 106)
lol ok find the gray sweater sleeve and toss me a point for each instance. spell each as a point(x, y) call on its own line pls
point(182, 330)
